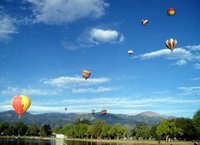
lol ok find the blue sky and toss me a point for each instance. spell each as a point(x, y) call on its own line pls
point(45, 45)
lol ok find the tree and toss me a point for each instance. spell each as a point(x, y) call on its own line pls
point(142, 131)
point(3, 127)
point(196, 122)
point(20, 129)
point(45, 130)
point(186, 124)
point(168, 129)
point(33, 130)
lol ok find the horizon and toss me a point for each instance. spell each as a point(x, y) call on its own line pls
point(45, 46)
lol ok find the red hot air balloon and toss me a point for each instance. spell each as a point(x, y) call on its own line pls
point(171, 11)
point(86, 74)
point(21, 104)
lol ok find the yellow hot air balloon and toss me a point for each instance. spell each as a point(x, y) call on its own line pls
point(171, 43)
point(21, 104)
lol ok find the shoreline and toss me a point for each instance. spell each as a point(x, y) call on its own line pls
point(147, 142)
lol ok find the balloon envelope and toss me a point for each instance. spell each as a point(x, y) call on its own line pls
point(171, 43)
point(130, 52)
point(103, 112)
point(21, 104)
point(86, 74)
point(145, 22)
point(171, 11)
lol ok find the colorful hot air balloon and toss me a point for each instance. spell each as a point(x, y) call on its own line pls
point(86, 74)
point(171, 11)
point(171, 43)
point(21, 104)
point(130, 52)
point(103, 112)
point(145, 22)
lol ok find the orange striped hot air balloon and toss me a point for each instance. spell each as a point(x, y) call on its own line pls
point(86, 74)
point(21, 104)
point(171, 43)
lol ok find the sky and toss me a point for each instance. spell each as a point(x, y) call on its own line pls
point(45, 45)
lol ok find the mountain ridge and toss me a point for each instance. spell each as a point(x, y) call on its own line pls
point(60, 119)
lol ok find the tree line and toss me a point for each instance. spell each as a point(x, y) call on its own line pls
point(179, 128)
point(20, 129)
point(174, 129)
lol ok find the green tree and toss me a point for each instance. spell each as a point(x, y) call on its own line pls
point(196, 122)
point(20, 129)
point(3, 127)
point(33, 130)
point(142, 131)
point(168, 129)
point(45, 130)
point(186, 124)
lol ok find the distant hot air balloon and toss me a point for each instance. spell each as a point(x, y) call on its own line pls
point(86, 74)
point(171, 11)
point(103, 112)
point(171, 43)
point(145, 22)
point(65, 108)
point(130, 52)
point(21, 104)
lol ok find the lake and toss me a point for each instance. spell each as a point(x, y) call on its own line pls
point(18, 141)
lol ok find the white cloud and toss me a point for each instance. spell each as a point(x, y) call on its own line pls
point(180, 55)
point(92, 90)
point(190, 90)
point(74, 81)
point(67, 11)
point(195, 79)
point(7, 26)
point(94, 36)
point(12, 91)
point(194, 47)
point(105, 36)
point(197, 65)
point(181, 62)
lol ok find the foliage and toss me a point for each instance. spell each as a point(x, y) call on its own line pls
point(196, 122)
point(45, 130)
point(168, 130)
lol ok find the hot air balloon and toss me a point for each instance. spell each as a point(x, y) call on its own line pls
point(145, 22)
point(21, 104)
point(171, 43)
point(130, 52)
point(103, 112)
point(171, 11)
point(86, 74)
point(65, 108)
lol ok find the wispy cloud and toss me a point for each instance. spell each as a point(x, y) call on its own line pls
point(7, 26)
point(181, 55)
point(190, 90)
point(194, 47)
point(197, 66)
point(63, 12)
point(74, 81)
point(12, 91)
point(195, 79)
point(92, 90)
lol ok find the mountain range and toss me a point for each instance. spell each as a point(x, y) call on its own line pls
point(60, 119)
